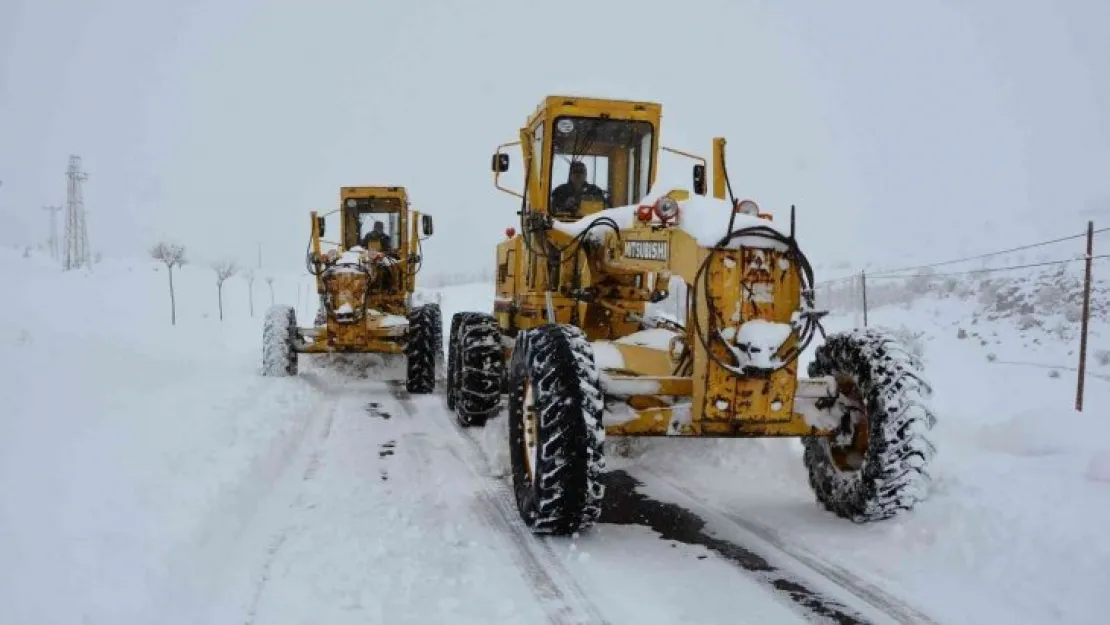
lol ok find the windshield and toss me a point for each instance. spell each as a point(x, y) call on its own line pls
point(598, 159)
point(377, 224)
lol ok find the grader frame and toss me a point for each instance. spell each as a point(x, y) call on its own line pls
point(572, 291)
point(627, 279)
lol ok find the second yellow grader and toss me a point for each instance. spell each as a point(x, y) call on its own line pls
point(365, 281)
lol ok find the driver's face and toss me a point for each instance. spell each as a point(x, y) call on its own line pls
point(578, 177)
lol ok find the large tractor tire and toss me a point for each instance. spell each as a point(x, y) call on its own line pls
point(474, 368)
point(452, 348)
point(876, 465)
point(556, 437)
point(437, 340)
point(421, 348)
point(279, 335)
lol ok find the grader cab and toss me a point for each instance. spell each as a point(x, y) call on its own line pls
point(570, 340)
point(365, 281)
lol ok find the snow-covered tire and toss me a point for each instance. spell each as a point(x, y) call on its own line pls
point(452, 351)
point(877, 471)
point(420, 348)
point(475, 368)
point(437, 340)
point(557, 442)
point(279, 332)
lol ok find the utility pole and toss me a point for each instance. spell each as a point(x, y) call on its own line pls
point(52, 242)
point(77, 235)
point(1086, 317)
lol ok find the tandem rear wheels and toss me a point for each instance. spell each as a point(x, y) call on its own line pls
point(475, 368)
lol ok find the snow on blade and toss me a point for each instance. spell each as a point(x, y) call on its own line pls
point(392, 321)
point(606, 356)
point(628, 385)
point(655, 338)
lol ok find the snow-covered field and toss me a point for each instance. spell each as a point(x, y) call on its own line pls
point(152, 476)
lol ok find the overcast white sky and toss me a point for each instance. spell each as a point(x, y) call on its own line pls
point(220, 123)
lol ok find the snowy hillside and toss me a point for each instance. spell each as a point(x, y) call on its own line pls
point(152, 476)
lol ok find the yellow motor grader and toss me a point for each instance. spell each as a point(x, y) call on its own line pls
point(365, 282)
point(570, 341)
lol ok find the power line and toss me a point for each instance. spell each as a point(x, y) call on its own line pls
point(990, 254)
point(880, 274)
point(985, 270)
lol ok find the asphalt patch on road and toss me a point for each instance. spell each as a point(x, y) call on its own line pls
point(624, 505)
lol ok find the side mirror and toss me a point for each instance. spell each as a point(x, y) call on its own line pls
point(699, 179)
point(320, 226)
point(500, 163)
point(426, 224)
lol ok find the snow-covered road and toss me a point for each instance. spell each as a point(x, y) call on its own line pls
point(378, 508)
point(151, 475)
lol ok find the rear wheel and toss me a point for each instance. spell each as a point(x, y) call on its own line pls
point(475, 368)
point(452, 354)
point(279, 335)
point(875, 465)
point(421, 348)
point(556, 436)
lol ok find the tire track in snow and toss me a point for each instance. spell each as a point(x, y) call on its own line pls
point(260, 585)
point(309, 473)
point(203, 570)
point(563, 600)
point(801, 558)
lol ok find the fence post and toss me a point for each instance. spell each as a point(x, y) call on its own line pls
point(1086, 318)
point(863, 285)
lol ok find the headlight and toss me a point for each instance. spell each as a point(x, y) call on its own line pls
point(352, 202)
point(666, 208)
point(748, 207)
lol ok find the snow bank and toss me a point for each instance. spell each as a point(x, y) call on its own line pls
point(122, 431)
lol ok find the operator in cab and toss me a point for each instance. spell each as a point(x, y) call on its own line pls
point(377, 234)
point(567, 197)
point(378, 241)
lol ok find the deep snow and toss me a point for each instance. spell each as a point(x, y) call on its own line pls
point(151, 475)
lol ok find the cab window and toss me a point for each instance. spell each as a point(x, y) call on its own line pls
point(602, 160)
point(375, 224)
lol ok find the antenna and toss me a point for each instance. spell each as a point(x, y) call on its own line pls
point(77, 235)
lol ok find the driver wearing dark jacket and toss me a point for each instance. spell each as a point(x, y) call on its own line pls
point(377, 234)
point(567, 197)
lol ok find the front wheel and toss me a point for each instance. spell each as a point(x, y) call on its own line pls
point(279, 336)
point(556, 436)
point(875, 465)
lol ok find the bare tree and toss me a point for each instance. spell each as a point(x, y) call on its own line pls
point(172, 255)
point(270, 283)
point(224, 270)
point(248, 275)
